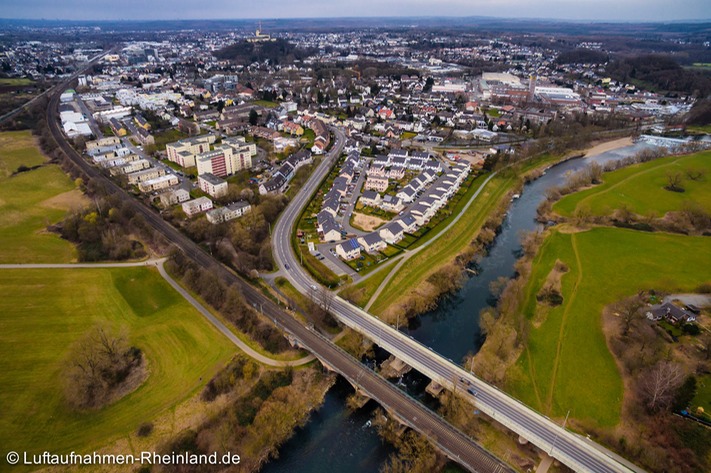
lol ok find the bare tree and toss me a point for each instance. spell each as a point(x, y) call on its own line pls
point(705, 344)
point(660, 383)
point(629, 312)
point(326, 300)
point(695, 174)
point(99, 361)
point(487, 320)
point(674, 182)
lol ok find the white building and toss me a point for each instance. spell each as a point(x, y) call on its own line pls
point(195, 206)
point(348, 250)
point(212, 185)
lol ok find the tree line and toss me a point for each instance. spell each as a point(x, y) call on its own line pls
point(228, 300)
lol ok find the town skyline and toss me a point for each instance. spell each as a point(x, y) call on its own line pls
point(560, 10)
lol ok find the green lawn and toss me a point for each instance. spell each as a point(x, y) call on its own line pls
point(43, 312)
point(567, 364)
point(168, 136)
point(641, 188)
point(703, 395)
point(16, 81)
point(266, 103)
point(371, 284)
point(30, 201)
point(699, 129)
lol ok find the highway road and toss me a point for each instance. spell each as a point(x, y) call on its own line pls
point(571, 449)
point(451, 441)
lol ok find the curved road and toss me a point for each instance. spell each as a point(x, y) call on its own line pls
point(451, 441)
point(571, 449)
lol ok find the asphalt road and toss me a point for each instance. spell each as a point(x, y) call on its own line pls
point(573, 450)
point(451, 441)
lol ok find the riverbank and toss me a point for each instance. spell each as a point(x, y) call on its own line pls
point(543, 349)
point(418, 284)
point(607, 146)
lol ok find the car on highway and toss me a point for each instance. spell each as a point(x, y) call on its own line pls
point(472, 391)
point(286, 266)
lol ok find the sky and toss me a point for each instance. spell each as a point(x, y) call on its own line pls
point(616, 10)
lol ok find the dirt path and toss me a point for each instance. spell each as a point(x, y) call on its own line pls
point(409, 254)
point(617, 184)
point(158, 263)
point(573, 293)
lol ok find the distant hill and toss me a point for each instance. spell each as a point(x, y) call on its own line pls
point(582, 56)
point(662, 73)
point(277, 52)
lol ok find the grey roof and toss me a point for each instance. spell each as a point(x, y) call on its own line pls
point(670, 310)
point(212, 179)
point(370, 195)
point(408, 219)
point(241, 204)
point(349, 245)
point(331, 203)
point(330, 225)
point(395, 227)
point(408, 190)
point(372, 239)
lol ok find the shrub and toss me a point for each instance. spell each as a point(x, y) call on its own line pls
point(145, 429)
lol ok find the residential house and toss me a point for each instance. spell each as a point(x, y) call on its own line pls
point(408, 222)
point(372, 242)
point(229, 212)
point(348, 250)
point(376, 183)
point(174, 197)
point(158, 183)
point(195, 206)
point(670, 312)
point(392, 204)
point(371, 199)
point(392, 232)
point(212, 185)
point(407, 194)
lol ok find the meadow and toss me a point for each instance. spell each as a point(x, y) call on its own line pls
point(641, 188)
point(32, 200)
point(45, 311)
point(567, 364)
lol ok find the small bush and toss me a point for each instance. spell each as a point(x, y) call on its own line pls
point(145, 429)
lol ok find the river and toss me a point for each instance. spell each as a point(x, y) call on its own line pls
point(337, 440)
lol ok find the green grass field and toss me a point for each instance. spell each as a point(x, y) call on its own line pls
point(703, 395)
point(15, 81)
point(266, 103)
point(30, 201)
point(371, 284)
point(426, 262)
point(43, 312)
point(699, 129)
point(641, 188)
point(567, 364)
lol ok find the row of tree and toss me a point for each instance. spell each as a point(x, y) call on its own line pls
point(228, 300)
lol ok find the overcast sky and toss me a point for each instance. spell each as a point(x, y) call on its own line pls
point(621, 10)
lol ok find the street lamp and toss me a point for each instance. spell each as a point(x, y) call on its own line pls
point(556, 434)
